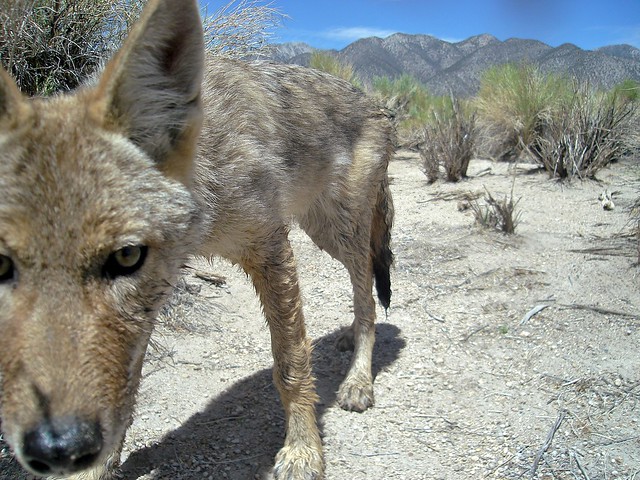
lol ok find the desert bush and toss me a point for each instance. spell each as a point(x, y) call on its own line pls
point(53, 45)
point(410, 102)
point(241, 28)
point(448, 140)
point(628, 90)
point(514, 104)
point(328, 63)
point(590, 131)
point(500, 214)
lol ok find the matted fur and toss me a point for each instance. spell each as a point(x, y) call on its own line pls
point(116, 167)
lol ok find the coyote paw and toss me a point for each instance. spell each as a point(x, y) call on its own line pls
point(355, 395)
point(298, 463)
point(345, 341)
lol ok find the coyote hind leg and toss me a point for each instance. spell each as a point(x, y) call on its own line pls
point(356, 391)
point(273, 272)
point(353, 251)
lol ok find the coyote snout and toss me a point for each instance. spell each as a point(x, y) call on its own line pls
point(62, 446)
point(106, 192)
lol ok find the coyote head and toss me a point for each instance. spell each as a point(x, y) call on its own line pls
point(96, 216)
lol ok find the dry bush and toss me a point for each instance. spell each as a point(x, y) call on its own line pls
point(54, 45)
point(499, 214)
point(241, 28)
point(448, 140)
point(186, 307)
point(590, 131)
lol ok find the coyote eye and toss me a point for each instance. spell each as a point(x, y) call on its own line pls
point(6, 268)
point(125, 261)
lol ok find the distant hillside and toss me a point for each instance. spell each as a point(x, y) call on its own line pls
point(458, 67)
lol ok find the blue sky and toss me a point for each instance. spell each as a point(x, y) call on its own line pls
point(336, 23)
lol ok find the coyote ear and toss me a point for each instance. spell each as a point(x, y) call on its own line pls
point(12, 104)
point(151, 89)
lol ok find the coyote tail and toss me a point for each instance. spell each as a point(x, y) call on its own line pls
point(381, 254)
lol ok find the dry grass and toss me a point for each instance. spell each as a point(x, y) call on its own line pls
point(497, 213)
point(186, 307)
point(325, 62)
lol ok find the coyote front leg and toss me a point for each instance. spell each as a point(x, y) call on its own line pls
point(273, 271)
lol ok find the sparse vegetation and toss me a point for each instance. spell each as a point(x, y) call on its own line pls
point(54, 45)
point(448, 140)
point(326, 62)
point(500, 214)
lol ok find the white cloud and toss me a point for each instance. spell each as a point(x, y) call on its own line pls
point(355, 33)
point(449, 39)
point(633, 36)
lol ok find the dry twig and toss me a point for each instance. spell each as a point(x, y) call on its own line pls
point(603, 311)
point(547, 443)
point(534, 311)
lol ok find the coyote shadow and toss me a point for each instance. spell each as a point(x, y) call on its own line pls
point(241, 430)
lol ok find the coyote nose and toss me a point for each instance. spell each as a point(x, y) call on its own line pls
point(62, 446)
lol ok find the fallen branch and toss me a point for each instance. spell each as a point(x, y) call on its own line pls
point(603, 311)
point(432, 316)
point(547, 443)
point(622, 440)
point(217, 280)
point(473, 332)
point(584, 474)
point(535, 310)
point(495, 469)
point(610, 251)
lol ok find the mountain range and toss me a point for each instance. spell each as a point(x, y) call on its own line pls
point(458, 66)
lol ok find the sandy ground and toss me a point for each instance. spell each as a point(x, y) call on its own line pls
point(466, 386)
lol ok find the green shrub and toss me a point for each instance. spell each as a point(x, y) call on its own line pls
point(410, 102)
point(515, 103)
point(628, 90)
point(328, 63)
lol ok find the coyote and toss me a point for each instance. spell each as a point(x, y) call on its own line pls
point(106, 191)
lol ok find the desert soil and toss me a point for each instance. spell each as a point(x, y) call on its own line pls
point(467, 385)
